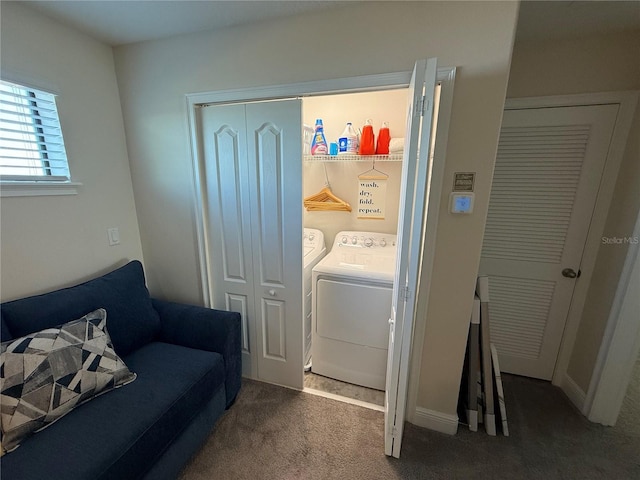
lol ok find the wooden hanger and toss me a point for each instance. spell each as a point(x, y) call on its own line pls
point(325, 200)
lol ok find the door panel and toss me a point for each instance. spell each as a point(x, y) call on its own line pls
point(227, 220)
point(239, 303)
point(546, 180)
point(269, 164)
point(274, 329)
point(413, 192)
point(274, 140)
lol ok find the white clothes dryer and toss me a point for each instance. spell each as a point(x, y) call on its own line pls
point(351, 305)
point(313, 250)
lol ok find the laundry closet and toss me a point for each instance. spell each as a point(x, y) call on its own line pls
point(348, 300)
point(265, 234)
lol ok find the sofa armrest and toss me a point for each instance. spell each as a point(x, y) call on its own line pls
point(205, 329)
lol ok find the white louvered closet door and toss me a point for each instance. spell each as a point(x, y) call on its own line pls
point(546, 179)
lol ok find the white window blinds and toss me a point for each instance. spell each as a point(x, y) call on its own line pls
point(31, 144)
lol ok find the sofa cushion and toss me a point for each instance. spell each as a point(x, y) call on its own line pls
point(46, 374)
point(122, 293)
point(122, 434)
point(5, 334)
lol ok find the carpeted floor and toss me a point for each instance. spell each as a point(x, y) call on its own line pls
point(629, 418)
point(276, 433)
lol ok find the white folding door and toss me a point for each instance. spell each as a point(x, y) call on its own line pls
point(252, 187)
point(416, 178)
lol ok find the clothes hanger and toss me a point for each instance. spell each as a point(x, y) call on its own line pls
point(325, 200)
point(373, 173)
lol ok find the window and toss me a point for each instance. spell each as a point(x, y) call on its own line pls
point(31, 144)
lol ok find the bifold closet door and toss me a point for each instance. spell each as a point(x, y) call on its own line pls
point(253, 215)
point(226, 206)
point(274, 146)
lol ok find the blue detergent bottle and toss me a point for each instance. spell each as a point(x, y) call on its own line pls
point(319, 143)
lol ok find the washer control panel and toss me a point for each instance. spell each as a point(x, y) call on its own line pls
point(312, 237)
point(364, 240)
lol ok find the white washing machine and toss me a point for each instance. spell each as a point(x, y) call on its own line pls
point(313, 249)
point(352, 290)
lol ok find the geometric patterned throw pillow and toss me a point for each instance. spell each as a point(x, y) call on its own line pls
point(46, 374)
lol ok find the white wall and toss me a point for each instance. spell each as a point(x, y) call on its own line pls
point(48, 242)
point(335, 111)
point(598, 63)
point(476, 37)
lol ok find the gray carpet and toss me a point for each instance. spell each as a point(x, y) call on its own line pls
point(629, 418)
point(276, 433)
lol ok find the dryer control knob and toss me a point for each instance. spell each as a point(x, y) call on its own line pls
point(383, 243)
point(354, 240)
point(345, 239)
point(368, 242)
point(312, 236)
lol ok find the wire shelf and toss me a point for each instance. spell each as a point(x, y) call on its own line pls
point(395, 157)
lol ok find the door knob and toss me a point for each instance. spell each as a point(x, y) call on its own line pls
point(570, 273)
point(272, 293)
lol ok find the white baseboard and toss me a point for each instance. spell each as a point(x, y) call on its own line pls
point(573, 391)
point(438, 421)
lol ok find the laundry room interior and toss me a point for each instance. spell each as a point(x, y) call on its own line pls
point(356, 341)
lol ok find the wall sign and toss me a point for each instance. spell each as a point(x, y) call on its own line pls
point(463, 181)
point(372, 196)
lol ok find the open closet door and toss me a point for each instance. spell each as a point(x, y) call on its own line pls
point(415, 179)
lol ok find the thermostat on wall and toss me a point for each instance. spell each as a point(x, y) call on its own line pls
point(461, 202)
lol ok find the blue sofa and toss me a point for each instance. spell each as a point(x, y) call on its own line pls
point(188, 365)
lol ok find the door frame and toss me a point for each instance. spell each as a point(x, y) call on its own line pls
point(620, 344)
point(627, 102)
point(445, 76)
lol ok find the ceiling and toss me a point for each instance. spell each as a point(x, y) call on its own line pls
point(130, 21)
point(559, 19)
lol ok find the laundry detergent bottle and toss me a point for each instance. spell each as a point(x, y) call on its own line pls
point(319, 142)
point(382, 146)
point(348, 141)
point(367, 142)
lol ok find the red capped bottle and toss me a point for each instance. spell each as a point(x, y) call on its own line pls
point(382, 146)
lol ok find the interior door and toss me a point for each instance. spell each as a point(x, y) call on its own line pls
point(546, 179)
point(274, 140)
point(415, 178)
point(253, 228)
point(226, 206)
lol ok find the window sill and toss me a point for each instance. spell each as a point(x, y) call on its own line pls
point(38, 189)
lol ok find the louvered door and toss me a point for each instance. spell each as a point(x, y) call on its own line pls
point(546, 179)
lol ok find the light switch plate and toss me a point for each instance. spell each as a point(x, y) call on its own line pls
point(114, 236)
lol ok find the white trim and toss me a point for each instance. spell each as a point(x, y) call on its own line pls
point(38, 189)
point(438, 421)
point(602, 98)
point(620, 344)
point(198, 213)
point(340, 398)
point(429, 246)
point(627, 102)
point(573, 391)
point(313, 88)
